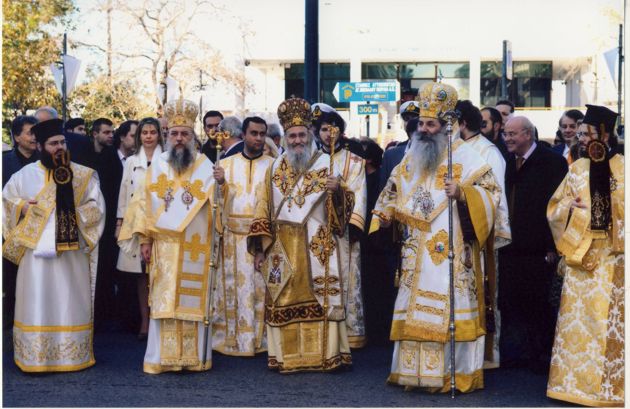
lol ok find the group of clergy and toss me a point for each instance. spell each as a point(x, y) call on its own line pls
point(253, 253)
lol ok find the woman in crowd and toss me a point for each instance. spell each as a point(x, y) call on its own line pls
point(148, 142)
point(270, 148)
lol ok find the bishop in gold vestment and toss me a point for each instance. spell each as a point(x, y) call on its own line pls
point(416, 195)
point(172, 221)
point(586, 216)
point(297, 255)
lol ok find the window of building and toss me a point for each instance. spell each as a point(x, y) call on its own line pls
point(330, 75)
point(530, 85)
point(412, 76)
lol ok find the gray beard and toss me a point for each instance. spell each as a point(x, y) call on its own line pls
point(299, 161)
point(426, 150)
point(180, 160)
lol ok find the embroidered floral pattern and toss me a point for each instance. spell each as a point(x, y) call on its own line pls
point(284, 177)
point(260, 226)
point(43, 349)
point(442, 174)
point(293, 313)
point(437, 247)
point(322, 245)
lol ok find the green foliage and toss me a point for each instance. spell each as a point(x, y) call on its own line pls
point(28, 49)
point(119, 101)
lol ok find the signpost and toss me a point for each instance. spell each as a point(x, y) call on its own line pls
point(382, 91)
point(367, 109)
point(368, 91)
point(65, 73)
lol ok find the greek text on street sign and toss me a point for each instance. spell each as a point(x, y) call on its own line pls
point(382, 91)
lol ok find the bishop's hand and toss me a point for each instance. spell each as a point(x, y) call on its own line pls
point(332, 183)
point(219, 174)
point(452, 190)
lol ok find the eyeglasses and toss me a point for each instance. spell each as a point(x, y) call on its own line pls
point(513, 134)
point(589, 134)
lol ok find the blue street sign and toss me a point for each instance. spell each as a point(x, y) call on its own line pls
point(367, 109)
point(383, 91)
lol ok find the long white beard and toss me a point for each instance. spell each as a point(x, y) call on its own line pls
point(299, 161)
point(181, 159)
point(427, 150)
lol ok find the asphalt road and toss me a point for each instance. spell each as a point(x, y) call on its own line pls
point(117, 380)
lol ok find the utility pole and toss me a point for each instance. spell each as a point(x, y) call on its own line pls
point(164, 86)
point(506, 72)
point(311, 51)
point(64, 91)
point(620, 77)
point(201, 87)
point(109, 42)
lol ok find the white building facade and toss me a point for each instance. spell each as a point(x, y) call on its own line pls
point(557, 47)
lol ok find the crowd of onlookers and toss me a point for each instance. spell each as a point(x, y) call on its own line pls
point(121, 299)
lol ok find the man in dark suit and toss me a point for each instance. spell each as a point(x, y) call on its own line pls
point(527, 265)
point(211, 122)
point(378, 287)
point(80, 148)
point(102, 156)
point(24, 147)
point(568, 126)
point(234, 144)
point(75, 125)
point(393, 156)
point(24, 152)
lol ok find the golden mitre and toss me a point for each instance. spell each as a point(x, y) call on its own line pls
point(294, 112)
point(181, 112)
point(435, 99)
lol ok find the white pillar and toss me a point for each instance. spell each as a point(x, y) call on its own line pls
point(354, 124)
point(474, 90)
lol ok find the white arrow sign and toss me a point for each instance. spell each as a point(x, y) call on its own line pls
point(336, 91)
point(612, 59)
point(172, 90)
point(72, 66)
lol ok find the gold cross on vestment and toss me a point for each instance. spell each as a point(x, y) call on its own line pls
point(195, 247)
point(161, 186)
point(164, 189)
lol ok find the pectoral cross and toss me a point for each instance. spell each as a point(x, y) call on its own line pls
point(289, 201)
point(422, 199)
point(192, 191)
